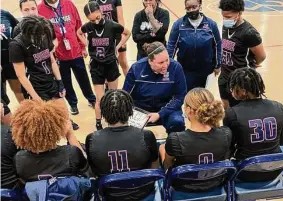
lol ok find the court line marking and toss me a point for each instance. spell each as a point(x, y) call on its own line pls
point(264, 6)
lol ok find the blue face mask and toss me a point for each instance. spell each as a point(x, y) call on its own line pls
point(229, 23)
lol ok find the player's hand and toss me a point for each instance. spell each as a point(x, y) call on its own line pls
point(84, 53)
point(149, 10)
point(61, 88)
point(217, 71)
point(37, 97)
point(62, 94)
point(153, 117)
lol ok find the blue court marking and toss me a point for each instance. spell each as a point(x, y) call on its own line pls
point(264, 5)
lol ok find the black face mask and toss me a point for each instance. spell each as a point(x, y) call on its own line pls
point(193, 15)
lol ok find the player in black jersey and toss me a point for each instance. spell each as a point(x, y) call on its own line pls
point(241, 44)
point(121, 148)
point(204, 142)
point(8, 24)
point(33, 49)
point(103, 50)
point(113, 10)
point(256, 123)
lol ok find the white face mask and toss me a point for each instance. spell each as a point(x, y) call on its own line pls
point(55, 5)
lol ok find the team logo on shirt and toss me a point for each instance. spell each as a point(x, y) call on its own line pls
point(100, 42)
point(107, 11)
point(2, 28)
point(228, 45)
point(166, 77)
point(205, 26)
point(38, 57)
point(56, 20)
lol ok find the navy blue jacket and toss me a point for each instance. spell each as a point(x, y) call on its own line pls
point(155, 92)
point(199, 50)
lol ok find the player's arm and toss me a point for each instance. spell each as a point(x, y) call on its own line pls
point(120, 15)
point(81, 36)
point(150, 142)
point(20, 70)
point(259, 53)
point(125, 37)
point(57, 75)
point(171, 149)
point(130, 80)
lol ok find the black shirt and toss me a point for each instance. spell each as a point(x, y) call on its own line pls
point(65, 160)
point(8, 23)
point(235, 45)
point(37, 60)
point(109, 8)
point(126, 148)
point(190, 147)
point(102, 40)
point(9, 178)
point(142, 29)
point(257, 127)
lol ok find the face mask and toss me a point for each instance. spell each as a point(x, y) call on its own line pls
point(229, 23)
point(193, 15)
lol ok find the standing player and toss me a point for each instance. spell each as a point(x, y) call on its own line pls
point(8, 24)
point(113, 10)
point(256, 123)
point(204, 142)
point(33, 49)
point(102, 36)
point(241, 44)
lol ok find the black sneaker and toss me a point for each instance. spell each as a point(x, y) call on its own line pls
point(91, 104)
point(75, 126)
point(99, 126)
point(74, 110)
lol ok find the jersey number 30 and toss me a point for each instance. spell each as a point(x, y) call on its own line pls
point(265, 129)
point(114, 160)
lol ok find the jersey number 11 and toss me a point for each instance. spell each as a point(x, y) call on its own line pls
point(114, 161)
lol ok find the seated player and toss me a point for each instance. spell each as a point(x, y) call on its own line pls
point(204, 142)
point(120, 147)
point(157, 84)
point(37, 127)
point(256, 123)
point(9, 178)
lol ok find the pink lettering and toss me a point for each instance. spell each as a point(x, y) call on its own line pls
point(100, 42)
point(228, 45)
point(38, 57)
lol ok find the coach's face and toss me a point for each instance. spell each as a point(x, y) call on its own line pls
point(29, 8)
point(160, 62)
point(152, 3)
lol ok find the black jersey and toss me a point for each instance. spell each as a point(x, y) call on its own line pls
point(102, 40)
point(189, 147)
point(109, 8)
point(37, 61)
point(235, 45)
point(65, 160)
point(9, 178)
point(122, 149)
point(257, 126)
point(8, 23)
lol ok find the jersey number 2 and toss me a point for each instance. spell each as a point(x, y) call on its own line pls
point(114, 160)
point(265, 129)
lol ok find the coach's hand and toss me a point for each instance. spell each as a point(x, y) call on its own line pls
point(84, 53)
point(153, 117)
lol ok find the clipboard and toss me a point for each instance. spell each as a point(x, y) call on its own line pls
point(139, 118)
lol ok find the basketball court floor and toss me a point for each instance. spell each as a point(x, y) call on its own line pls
point(265, 15)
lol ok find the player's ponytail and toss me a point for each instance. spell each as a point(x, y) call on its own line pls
point(206, 109)
point(210, 113)
point(153, 49)
point(91, 7)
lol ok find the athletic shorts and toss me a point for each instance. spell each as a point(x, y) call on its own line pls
point(226, 94)
point(8, 72)
point(46, 94)
point(101, 72)
point(6, 108)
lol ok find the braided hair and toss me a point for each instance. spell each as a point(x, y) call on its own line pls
point(36, 29)
point(249, 80)
point(116, 106)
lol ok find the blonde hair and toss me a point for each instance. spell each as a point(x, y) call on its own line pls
point(37, 126)
point(207, 110)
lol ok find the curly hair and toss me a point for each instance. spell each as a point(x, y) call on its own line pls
point(37, 126)
point(207, 110)
point(232, 5)
point(116, 106)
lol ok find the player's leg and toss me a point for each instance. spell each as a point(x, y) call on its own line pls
point(123, 60)
point(99, 91)
point(16, 87)
point(112, 75)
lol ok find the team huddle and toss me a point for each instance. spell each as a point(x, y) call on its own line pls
point(50, 41)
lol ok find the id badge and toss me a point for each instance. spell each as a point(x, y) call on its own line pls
point(67, 44)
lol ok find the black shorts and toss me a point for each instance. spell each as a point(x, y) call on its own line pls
point(101, 72)
point(226, 94)
point(50, 93)
point(8, 72)
point(6, 108)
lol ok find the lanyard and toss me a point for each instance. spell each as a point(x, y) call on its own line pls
point(60, 18)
